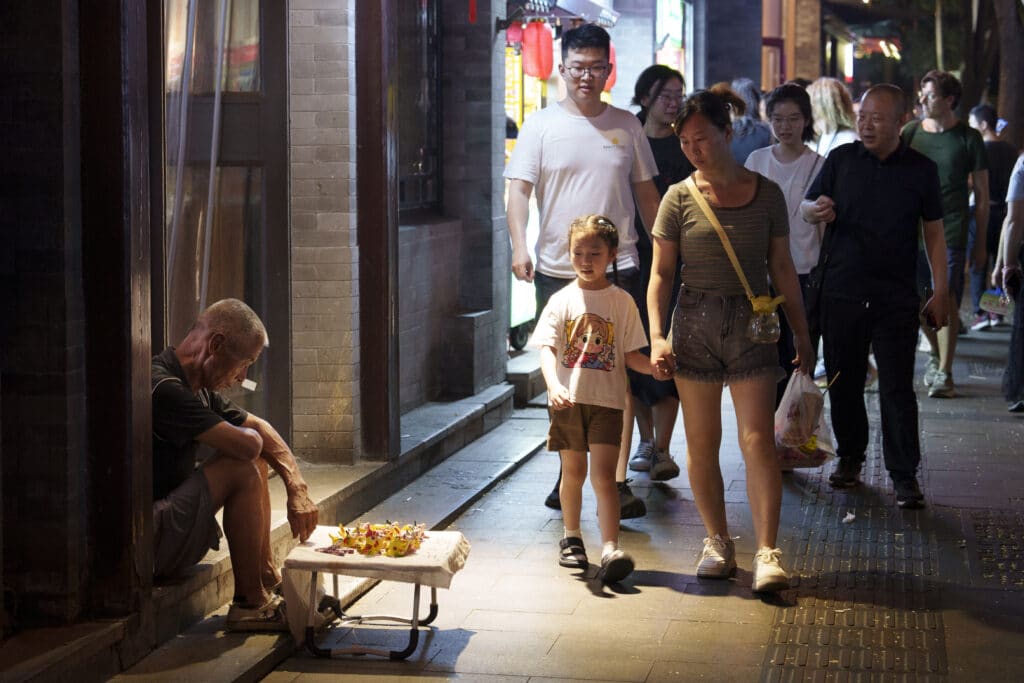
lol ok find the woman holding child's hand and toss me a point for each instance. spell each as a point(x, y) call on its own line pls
point(709, 346)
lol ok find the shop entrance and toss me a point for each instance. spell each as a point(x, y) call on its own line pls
point(225, 190)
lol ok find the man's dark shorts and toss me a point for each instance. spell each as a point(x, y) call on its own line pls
point(956, 259)
point(184, 527)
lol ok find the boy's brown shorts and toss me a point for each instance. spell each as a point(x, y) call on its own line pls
point(576, 428)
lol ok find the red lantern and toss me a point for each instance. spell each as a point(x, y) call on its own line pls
point(538, 50)
point(613, 73)
point(514, 33)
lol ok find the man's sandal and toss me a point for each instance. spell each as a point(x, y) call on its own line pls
point(572, 553)
point(270, 616)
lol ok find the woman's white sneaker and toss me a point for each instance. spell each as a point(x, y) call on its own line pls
point(718, 559)
point(769, 576)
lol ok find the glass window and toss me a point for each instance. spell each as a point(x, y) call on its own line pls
point(418, 82)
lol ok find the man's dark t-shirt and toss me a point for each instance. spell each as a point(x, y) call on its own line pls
point(879, 206)
point(179, 416)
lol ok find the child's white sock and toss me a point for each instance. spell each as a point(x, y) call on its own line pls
point(572, 533)
point(608, 548)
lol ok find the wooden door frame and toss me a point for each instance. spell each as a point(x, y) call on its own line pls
point(377, 191)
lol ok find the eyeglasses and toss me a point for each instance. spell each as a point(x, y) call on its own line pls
point(671, 98)
point(928, 96)
point(792, 120)
point(596, 71)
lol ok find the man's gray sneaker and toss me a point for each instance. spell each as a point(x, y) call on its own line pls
point(641, 459)
point(663, 467)
point(718, 559)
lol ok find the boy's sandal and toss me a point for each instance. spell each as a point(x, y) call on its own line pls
point(572, 553)
point(271, 616)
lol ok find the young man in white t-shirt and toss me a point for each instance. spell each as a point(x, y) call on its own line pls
point(582, 156)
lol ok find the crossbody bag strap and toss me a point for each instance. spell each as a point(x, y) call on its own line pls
point(760, 304)
point(691, 185)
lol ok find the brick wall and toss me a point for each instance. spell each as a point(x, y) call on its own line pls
point(633, 35)
point(324, 255)
point(428, 289)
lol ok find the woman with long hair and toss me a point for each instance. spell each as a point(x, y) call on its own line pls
point(832, 111)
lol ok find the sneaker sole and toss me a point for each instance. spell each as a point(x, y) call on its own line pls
point(771, 586)
point(711, 574)
point(910, 504)
point(942, 393)
point(573, 564)
point(844, 483)
point(659, 476)
point(640, 466)
point(616, 570)
point(632, 511)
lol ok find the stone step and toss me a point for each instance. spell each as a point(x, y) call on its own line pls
point(430, 434)
point(523, 373)
point(205, 652)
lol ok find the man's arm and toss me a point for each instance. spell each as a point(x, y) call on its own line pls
point(242, 443)
point(302, 511)
point(981, 212)
point(647, 201)
point(935, 248)
point(1013, 235)
point(518, 214)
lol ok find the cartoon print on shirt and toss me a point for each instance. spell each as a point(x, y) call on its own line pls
point(589, 343)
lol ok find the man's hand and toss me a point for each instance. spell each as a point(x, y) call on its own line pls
point(935, 312)
point(821, 210)
point(804, 360)
point(522, 265)
point(1011, 280)
point(303, 515)
point(558, 397)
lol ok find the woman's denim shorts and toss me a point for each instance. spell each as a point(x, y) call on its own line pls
point(709, 339)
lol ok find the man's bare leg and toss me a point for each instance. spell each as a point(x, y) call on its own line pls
point(269, 574)
point(236, 486)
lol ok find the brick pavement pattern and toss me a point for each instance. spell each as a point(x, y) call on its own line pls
point(893, 595)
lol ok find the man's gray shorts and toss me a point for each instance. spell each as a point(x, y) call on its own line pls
point(184, 527)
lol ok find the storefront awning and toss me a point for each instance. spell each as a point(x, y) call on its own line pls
point(600, 12)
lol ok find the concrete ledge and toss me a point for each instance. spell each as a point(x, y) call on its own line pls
point(523, 373)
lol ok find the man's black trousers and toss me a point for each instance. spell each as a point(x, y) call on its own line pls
point(850, 330)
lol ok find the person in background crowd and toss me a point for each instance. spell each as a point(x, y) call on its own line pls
point(793, 166)
point(832, 110)
point(1007, 274)
point(876, 193)
point(659, 93)
point(1001, 157)
point(749, 131)
point(582, 156)
point(710, 346)
point(959, 153)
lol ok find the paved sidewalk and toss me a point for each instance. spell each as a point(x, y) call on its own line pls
point(929, 595)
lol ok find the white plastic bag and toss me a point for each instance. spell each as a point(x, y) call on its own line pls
point(797, 417)
point(802, 434)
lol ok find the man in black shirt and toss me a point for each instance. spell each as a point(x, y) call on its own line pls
point(188, 411)
point(875, 193)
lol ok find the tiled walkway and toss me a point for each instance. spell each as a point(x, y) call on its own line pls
point(929, 595)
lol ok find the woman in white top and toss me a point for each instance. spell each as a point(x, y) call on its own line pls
point(832, 111)
point(792, 166)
